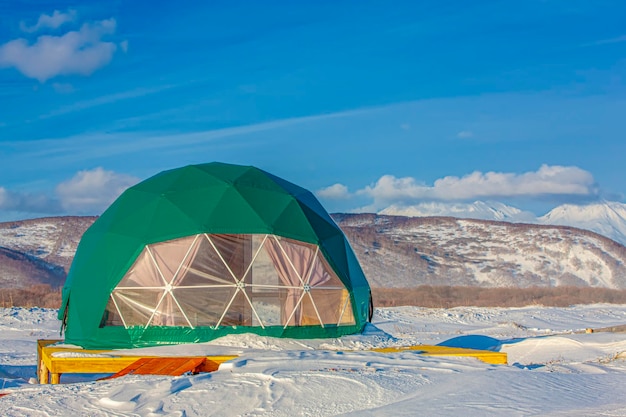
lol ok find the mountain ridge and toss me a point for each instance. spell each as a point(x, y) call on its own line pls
point(394, 251)
point(409, 251)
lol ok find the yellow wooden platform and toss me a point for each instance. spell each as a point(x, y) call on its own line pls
point(487, 356)
point(50, 367)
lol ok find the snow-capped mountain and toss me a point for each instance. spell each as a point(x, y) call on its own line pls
point(606, 218)
point(481, 210)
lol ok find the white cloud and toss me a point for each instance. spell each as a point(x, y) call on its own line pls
point(53, 21)
point(465, 134)
point(25, 202)
point(124, 46)
point(87, 192)
point(547, 181)
point(334, 192)
point(77, 52)
point(92, 191)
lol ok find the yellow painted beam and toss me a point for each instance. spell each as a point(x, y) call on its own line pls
point(487, 356)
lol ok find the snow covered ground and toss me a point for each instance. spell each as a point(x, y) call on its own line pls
point(554, 369)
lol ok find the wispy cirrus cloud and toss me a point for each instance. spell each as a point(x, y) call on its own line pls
point(102, 100)
point(94, 147)
point(52, 21)
point(78, 52)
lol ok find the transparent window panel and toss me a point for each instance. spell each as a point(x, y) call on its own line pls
point(239, 313)
point(308, 316)
point(291, 313)
point(282, 262)
point(143, 273)
point(330, 306)
point(171, 255)
point(262, 271)
point(236, 250)
point(269, 305)
point(322, 275)
point(111, 317)
point(300, 256)
point(205, 268)
point(168, 313)
point(204, 306)
point(202, 271)
point(347, 317)
point(136, 306)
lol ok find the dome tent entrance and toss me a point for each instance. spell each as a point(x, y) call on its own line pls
point(198, 252)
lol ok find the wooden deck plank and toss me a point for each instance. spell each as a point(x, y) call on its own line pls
point(129, 369)
point(190, 365)
point(172, 366)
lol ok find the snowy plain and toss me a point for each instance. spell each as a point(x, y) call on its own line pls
point(555, 369)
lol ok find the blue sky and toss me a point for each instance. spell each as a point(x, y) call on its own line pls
point(367, 103)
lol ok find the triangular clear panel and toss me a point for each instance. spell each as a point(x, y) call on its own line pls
point(330, 305)
point(205, 267)
point(235, 250)
point(111, 317)
point(262, 272)
point(137, 306)
point(308, 314)
point(168, 313)
point(269, 304)
point(204, 306)
point(171, 255)
point(239, 313)
point(322, 274)
point(300, 256)
point(143, 273)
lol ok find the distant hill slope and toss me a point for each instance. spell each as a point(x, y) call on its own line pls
point(409, 251)
point(39, 250)
point(394, 251)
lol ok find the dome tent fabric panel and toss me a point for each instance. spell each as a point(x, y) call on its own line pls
point(207, 203)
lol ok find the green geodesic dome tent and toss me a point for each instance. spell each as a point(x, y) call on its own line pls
point(202, 251)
